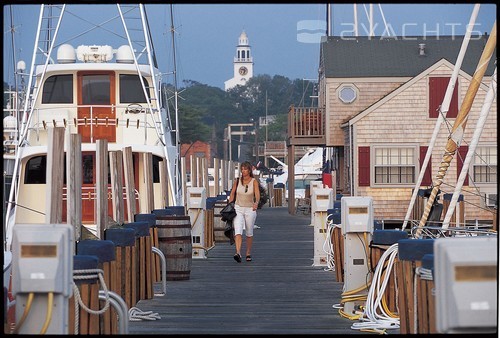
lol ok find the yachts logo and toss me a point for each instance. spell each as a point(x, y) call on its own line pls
point(310, 31)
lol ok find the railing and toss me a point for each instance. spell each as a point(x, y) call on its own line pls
point(306, 122)
point(236, 59)
point(437, 231)
point(128, 116)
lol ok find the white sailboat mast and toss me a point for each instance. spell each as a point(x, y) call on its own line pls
point(488, 101)
point(458, 128)
point(176, 97)
point(445, 105)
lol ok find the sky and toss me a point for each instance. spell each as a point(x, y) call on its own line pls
point(284, 38)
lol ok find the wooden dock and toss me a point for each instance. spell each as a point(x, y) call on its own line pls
point(279, 292)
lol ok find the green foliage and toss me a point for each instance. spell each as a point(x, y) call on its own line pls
point(205, 111)
point(192, 128)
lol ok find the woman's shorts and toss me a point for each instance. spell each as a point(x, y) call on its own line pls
point(245, 218)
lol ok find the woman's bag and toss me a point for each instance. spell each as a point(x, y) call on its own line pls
point(228, 213)
point(229, 231)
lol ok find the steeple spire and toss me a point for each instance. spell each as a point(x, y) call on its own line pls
point(242, 63)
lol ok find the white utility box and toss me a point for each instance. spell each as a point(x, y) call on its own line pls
point(196, 207)
point(42, 265)
point(313, 185)
point(466, 282)
point(322, 200)
point(357, 228)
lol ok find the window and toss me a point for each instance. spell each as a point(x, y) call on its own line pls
point(58, 89)
point(347, 93)
point(484, 164)
point(96, 90)
point(88, 169)
point(157, 166)
point(394, 165)
point(131, 89)
point(36, 169)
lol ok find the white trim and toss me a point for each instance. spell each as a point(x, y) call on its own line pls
point(472, 165)
point(491, 199)
point(416, 164)
point(380, 79)
point(354, 159)
point(341, 88)
point(390, 96)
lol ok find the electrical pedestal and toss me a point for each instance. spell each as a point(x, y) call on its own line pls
point(42, 270)
point(357, 229)
point(196, 205)
point(321, 201)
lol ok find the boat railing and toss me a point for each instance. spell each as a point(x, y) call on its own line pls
point(436, 230)
point(90, 193)
point(126, 116)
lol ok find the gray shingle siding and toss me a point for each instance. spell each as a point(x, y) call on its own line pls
point(352, 57)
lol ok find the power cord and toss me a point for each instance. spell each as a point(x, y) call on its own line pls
point(328, 246)
point(376, 316)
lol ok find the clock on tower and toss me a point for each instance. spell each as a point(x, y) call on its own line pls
point(242, 64)
point(243, 70)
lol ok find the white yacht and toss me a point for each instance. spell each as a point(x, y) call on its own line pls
point(109, 92)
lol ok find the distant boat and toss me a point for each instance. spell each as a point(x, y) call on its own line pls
point(307, 169)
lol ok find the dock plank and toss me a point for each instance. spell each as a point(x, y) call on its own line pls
point(279, 292)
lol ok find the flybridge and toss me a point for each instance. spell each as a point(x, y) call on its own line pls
point(94, 54)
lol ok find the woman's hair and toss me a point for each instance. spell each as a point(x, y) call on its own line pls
point(248, 166)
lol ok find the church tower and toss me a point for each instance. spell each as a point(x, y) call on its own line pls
point(242, 64)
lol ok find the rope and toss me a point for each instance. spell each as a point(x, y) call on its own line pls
point(196, 218)
point(376, 315)
point(328, 246)
point(424, 273)
point(135, 314)
point(90, 274)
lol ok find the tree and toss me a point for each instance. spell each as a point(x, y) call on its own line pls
point(215, 108)
point(191, 126)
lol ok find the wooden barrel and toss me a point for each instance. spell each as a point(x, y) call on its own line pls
point(174, 237)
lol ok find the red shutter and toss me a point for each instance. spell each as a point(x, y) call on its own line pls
point(437, 90)
point(461, 153)
point(427, 179)
point(364, 166)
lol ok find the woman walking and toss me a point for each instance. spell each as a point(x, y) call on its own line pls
point(245, 193)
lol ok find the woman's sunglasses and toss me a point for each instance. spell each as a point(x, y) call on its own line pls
point(246, 188)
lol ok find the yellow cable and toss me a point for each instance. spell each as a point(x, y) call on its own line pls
point(345, 315)
point(48, 318)
point(357, 290)
point(387, 310)
point(367, 251)
point(25, 313)
point(384, 301)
